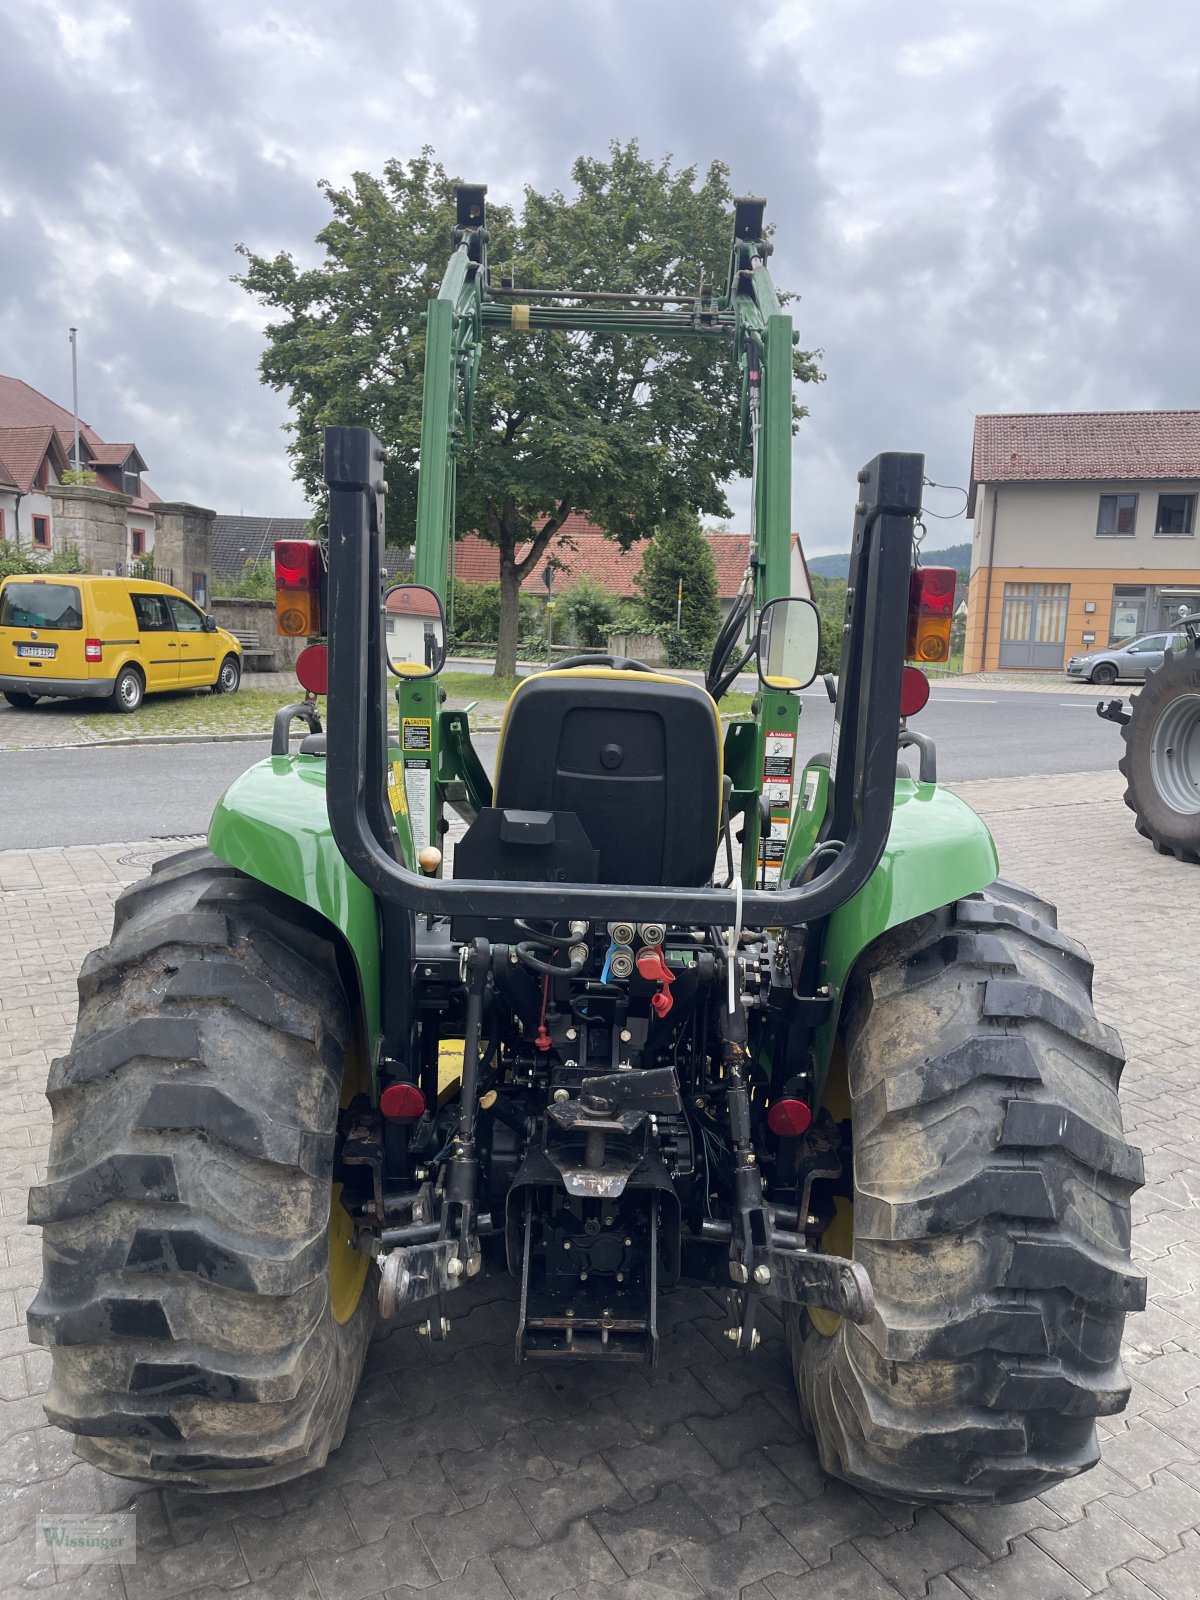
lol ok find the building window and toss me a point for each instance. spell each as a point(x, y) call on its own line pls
point(1118, 514)
point(41, 532)
point(1176, 516)
point(1128, 613)
point(41, 478)
point(3, 533)
point(131, 482)
point(137, 542)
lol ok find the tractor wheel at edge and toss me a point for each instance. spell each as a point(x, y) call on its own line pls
point(992, 1185)
point(207, 1317)
point(1161, 763)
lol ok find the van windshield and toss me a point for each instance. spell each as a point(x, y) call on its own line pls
point(54, 606)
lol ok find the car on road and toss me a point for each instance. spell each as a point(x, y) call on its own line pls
point(72, 635)
point(1133, 659)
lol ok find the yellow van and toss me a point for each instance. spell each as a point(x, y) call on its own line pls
point(69, 634)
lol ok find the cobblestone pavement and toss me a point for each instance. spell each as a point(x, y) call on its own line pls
point(461, 1477)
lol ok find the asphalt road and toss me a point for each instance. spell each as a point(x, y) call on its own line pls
point(109, 795)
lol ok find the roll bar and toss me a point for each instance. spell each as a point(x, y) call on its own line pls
point(862, 764)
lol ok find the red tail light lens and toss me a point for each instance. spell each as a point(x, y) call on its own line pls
point(299, 575)
point(788, 1119)
point(312, 668)
point(93, 650)
point(930, 613)
point(914, 691)
point(402, 1102)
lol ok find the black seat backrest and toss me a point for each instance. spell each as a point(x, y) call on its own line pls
point(636, 756)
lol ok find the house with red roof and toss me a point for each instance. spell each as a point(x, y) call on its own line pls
point(580, 549)
point(1084, 532)
point(112, 521)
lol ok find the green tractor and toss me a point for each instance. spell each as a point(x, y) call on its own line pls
point(320, 1076)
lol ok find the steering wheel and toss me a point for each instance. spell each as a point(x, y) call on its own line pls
point(618, 663)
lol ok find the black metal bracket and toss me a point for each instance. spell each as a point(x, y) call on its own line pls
point(927, 769)
point(801, 1277)
point(284, 717)
point(1113, 710)
point(868, 720)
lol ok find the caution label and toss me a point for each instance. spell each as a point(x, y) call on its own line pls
point(778, 777)
point(416, 733)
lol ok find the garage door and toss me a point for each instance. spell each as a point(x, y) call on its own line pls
point(1033, 626)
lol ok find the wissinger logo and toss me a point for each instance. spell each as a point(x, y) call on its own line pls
point(80, 1540)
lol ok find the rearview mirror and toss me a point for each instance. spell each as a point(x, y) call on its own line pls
point(789, 643)
point(414, 631)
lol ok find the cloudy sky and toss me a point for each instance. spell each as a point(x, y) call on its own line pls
point(983, 206)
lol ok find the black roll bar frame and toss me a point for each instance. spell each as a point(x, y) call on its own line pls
point(866, 720)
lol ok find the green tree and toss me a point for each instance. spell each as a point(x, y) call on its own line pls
point(830, 597)
point(255, 582)
point(619, 426)
point(590, 611)
point(678, 553)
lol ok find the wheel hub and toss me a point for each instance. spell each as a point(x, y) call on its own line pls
point(1175, 755)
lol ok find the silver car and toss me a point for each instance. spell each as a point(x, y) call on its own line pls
point(1131, 660)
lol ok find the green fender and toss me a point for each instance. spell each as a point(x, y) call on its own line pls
point(937, 851)
point(272, 824)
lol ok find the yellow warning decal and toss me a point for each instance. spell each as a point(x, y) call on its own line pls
point(397, 798)
point(520, 318)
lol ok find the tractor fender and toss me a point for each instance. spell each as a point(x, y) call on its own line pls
point(272, 824)
point(938, 851)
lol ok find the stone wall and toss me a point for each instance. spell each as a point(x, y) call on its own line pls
point(94, 521)
point(638, 647)
point(183, 542)
point(247, 616)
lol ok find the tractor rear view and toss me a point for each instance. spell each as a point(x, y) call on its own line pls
point(328, 1069)
point(1161, 730)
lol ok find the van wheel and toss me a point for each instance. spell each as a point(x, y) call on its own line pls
point(229, 677)
point(128, 690)
point(21, 702)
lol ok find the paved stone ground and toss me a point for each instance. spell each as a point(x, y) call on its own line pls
point(461, 1477)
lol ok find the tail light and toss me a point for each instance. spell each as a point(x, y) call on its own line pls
point(93, 650)
point(299, 585)
point(402, 1102)
point(789, 1118)
point(914, 691)
point(930, 613)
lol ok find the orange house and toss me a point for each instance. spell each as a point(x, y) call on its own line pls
point(1084, 533)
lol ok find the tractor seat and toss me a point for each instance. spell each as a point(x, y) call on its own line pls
point(635, 755)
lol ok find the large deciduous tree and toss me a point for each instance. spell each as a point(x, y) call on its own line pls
point(626, 428)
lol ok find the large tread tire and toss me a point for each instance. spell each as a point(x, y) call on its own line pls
point(186, 1297)
point(1170, 831)
point(991, 1209)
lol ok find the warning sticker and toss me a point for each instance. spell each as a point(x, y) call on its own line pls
point(812, 781)
point(416, 733)
point(395, 788)
point(417, 784)
point(779, 766)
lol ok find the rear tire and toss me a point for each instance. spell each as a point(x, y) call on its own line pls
point(193, 1280)
point(230, 676)
point(1162, 756)
point(991, 1210)
point(19, 701)
point(128, 691)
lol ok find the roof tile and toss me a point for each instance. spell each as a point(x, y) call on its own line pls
point(1073, 445)
point(581, 549)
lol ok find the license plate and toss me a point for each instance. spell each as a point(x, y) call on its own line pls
point(37, 652)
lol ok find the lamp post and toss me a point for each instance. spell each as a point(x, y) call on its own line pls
point(75, 397)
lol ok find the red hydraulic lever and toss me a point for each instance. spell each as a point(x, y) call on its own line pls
point(652, 966)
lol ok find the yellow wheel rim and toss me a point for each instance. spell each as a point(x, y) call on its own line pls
point(838, 1238)
point(348, 1267)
